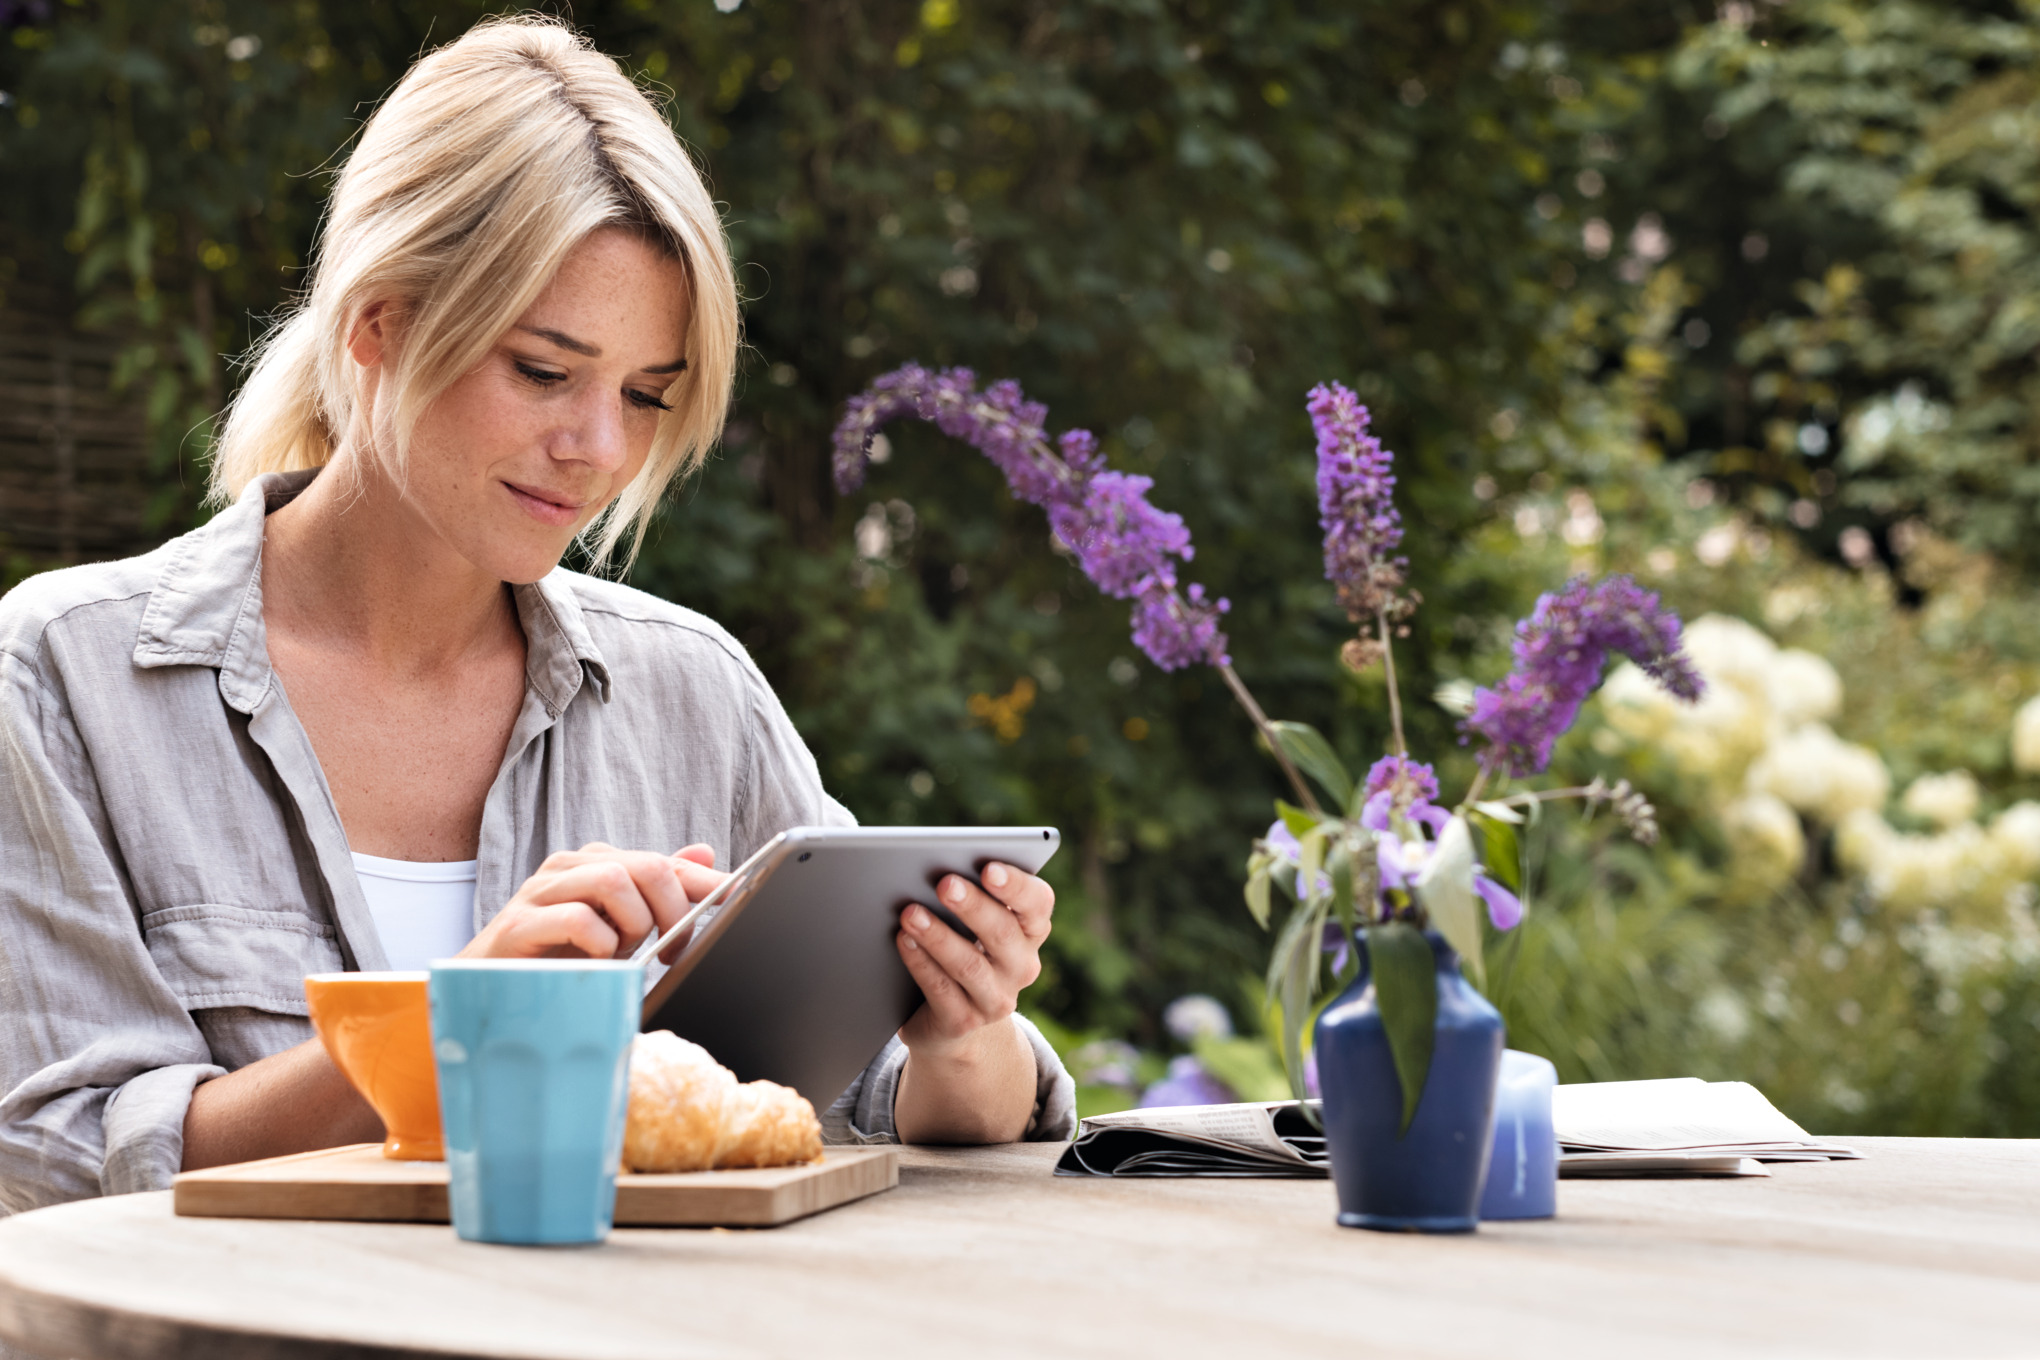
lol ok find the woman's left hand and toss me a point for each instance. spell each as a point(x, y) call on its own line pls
point(970, 1074)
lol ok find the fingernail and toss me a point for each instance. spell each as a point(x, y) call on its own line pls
point(913, 944)
point(953, 890)
point(917, 919)
point(995, 875)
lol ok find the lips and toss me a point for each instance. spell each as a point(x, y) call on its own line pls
point(547, 507)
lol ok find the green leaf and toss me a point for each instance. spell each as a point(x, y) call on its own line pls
point(1446, 890)
point(1247, 1065)
point(1310, 863)
point(1299, 822)
point(1315, 757)
point(1293, 969)
point(1501, 851)
point(1406, 992)
point(1257, 893)
point(1341, 870)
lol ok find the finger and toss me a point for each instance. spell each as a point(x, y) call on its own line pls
point(535, 931)
point(987, 917)
point(949, 1006)
point(704, 855)
point(559, 861)
point(966, 965)
point(607, 886)
point(1031, 900)
point(697, 879)
point(658, 882)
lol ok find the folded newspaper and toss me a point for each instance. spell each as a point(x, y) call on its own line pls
point(1269, 1138)
point(1676, 1127)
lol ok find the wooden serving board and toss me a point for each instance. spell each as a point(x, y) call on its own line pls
point(358, 1182)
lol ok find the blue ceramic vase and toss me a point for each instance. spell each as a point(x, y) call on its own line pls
point(1430, 1178)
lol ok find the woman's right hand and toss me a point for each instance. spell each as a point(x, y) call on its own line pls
point(597, 902)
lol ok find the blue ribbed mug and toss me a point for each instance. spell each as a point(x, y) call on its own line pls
point(534, 1067)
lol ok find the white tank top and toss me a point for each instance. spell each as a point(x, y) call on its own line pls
point(422, 911)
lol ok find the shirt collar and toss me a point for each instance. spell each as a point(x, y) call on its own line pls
point(558, 650)
point(206, 609)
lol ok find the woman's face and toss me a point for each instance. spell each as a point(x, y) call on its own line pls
point(519, 455)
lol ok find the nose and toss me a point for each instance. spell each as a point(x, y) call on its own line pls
point(594, 432)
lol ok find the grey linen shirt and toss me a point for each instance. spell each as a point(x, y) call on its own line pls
point(172, 864)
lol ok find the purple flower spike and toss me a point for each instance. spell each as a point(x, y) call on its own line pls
point(1128, 548)
point(1561, 650)
point(1356, 506)
point(1504, 908)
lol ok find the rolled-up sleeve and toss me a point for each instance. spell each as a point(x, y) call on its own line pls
point(864, 1113)
point(98, 1057)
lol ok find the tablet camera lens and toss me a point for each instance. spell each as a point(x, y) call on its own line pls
point(805, 856)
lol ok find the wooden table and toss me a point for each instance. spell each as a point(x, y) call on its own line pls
point(1926, 1248)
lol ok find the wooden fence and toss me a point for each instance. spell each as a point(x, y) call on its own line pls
point(74, 484)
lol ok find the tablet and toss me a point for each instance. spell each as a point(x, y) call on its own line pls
point(795, 978)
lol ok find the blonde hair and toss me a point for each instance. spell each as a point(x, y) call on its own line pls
point(487, 164)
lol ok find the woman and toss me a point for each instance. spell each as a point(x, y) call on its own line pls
point(361, 718)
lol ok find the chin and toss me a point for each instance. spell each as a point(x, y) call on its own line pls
point(519, 563)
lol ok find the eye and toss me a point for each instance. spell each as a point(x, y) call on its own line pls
point(543, 377)
point(646, 400)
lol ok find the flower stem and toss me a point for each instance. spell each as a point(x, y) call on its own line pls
point(1267, 730)
point(1394, 694)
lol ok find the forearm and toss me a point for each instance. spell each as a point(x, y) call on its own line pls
point(293, 1101)
point(979, 1089)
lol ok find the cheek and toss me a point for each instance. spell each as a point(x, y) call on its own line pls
point(473, 425)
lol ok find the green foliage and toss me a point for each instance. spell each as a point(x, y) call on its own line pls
point(1313, 755)
point(1247, 1065)
point(1406, 992)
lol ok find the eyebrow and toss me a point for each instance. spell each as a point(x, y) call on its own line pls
point(569, 343)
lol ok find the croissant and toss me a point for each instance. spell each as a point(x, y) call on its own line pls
point(688, 1113)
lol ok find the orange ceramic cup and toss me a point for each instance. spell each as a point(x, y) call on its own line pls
point(377, 1029)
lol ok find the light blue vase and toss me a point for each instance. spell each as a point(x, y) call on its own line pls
point(1522, 1178)
point(534, 1062)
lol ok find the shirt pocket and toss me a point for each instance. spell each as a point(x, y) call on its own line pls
point(214, 956)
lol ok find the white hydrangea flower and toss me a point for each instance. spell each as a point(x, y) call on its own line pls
point(2016, 833)
point(1860, 840)
point(2026, 737)
point(1804, 687)
point(1637, 706)
point(1729, 651)
point(1944, 799)
point(1766, 843)
point(1821, 775)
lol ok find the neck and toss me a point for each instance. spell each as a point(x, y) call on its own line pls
point(349, 564)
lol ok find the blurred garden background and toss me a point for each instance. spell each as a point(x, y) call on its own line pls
point(1742, 299)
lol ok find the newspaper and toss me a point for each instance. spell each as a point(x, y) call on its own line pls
point(1677, 1127)
point(1268, 1138)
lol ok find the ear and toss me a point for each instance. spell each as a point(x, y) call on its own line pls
point(369, 338)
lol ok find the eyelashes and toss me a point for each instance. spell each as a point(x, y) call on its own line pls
point(547, 377)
